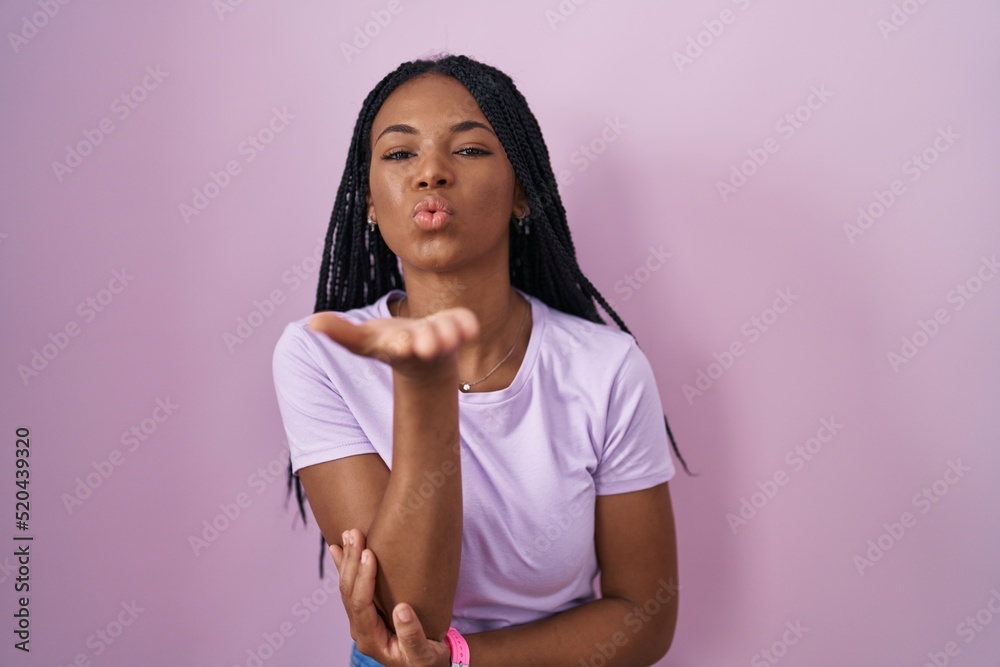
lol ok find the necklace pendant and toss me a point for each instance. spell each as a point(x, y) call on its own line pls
point(465, 387)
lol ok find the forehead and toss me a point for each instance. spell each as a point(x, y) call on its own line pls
point(428, 102)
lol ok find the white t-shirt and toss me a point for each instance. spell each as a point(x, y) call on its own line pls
point(582, 418)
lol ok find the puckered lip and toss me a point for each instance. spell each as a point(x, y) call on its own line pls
point(433, 203)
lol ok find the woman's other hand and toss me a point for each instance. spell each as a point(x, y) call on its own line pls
point(410, 647)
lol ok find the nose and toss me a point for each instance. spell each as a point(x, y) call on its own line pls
point(433, 171)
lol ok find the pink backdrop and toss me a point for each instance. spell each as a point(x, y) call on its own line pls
point(792, 205)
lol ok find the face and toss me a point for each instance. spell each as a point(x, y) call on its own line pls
point(441, 153)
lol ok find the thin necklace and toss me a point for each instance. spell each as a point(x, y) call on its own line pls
point(466, 386)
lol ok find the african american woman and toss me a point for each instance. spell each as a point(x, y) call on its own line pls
point(475, 442)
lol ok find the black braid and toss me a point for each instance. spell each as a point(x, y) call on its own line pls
point(358, 267)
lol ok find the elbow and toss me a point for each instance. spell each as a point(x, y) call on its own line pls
point(435, 623)
point(437, 627)
point(665, 631)
point(434, 618)
point(658, 642)
point(659, 634)
point(662, 645)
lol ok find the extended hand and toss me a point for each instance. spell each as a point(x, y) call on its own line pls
point(410, 345)
point(410, 647)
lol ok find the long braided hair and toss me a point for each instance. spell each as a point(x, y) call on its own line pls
point(358, 267)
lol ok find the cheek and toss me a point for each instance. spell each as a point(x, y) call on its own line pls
point(387, 193)
point(496, 193)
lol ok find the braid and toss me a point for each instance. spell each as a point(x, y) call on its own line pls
point(358, 267)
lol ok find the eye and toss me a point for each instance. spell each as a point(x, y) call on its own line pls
point(393, 156)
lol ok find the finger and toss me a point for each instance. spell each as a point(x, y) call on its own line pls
point(338, 555)
point(446, 329)
point(339, 329)
point(410, 633)
point(466, 321)
point(398, 345)
point(364, 586)
point(365, 620)
point(349, 569)
point(425, 339)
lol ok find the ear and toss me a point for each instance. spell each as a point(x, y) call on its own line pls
point(520, 203)
point(369, 205)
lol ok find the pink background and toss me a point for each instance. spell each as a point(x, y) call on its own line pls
point(680, 131)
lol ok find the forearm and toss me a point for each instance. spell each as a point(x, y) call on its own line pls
point(416, 533)
point(608, 631)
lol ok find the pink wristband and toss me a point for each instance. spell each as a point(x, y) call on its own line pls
point(459, 648)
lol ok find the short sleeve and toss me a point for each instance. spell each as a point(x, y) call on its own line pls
point(318, 423)
point(636, 452)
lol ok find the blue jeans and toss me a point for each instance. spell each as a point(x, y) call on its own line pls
point(359, 659)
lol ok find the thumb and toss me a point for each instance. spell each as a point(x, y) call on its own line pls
point(409, 632)
point(339, 329)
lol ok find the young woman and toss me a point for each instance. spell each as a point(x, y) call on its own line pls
point(476, 443)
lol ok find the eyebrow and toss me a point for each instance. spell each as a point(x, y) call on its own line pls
point(464, 126)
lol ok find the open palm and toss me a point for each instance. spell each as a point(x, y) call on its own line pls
point(411, 346)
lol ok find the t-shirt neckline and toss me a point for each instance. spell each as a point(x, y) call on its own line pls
point(527, 364)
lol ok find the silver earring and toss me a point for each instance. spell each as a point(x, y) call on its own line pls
point(371, 225)
point(522, 224)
